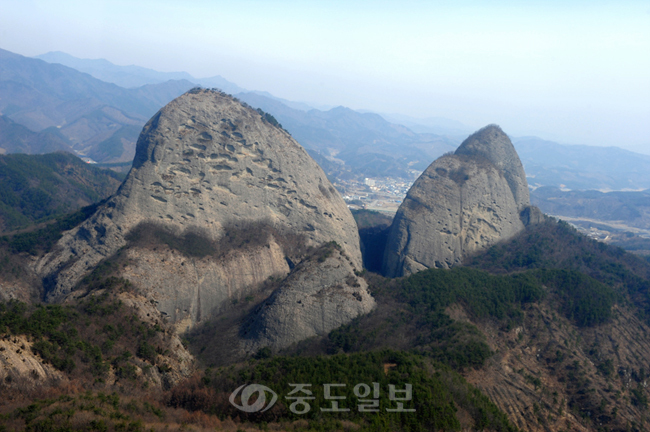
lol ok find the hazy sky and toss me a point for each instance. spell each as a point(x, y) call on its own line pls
point(572, 71)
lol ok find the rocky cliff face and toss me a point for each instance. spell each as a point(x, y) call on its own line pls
point(461, 204)
point(495, 146)
point(218, 200)
point(322, 292)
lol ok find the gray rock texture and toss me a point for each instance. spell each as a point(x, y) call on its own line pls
point(494, 145)
point(461, 204)
point(188, 290)
point(208, 165)
point(321, 293)
point(532, 215)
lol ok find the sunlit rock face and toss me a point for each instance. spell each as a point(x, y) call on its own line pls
point(321, 293)
point(219, 199)
point(463, 203)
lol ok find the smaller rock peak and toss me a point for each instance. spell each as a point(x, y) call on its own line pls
point(486, 142)
point(494, 145)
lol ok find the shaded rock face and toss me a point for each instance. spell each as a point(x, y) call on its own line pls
point(461, 204)
point(190, 290)
point(319, 295)
point(208, 165)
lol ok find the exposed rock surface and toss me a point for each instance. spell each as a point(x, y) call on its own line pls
point(20, 367)
point(495, 146)
point(532, 215)
point(16, 290)
point(320, 294)
point(189, 290)
point(180, 362)
point(461, 204)
point(207, 165)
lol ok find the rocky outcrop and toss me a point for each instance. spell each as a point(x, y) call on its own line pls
point(495, 146)
point(21, 368)
point(319, 295)
point(461, 204)
point(188, 289)
point(180, 363)
point(218, 200)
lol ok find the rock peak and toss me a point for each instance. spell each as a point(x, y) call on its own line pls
point(212, 101)
point(207, 168)
point(493, 144)
point(486, 132)
point(460, 205)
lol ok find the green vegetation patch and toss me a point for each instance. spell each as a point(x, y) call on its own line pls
point(35, 188)
point(269, 118)
point(42, 240)
point(89, 412)
point(481, 293)
point(584, 300)
point(90, 338)
point(589, 276)
point(438, 393)
point(113, 147)
point(415, 314)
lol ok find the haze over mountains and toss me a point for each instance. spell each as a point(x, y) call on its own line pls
point(34, 188)
point(85, 110)
point(133, 76)
point(582, 167)
point(101, 120)
point(227, 233)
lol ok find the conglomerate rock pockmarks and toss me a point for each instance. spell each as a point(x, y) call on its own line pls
point(207, 164)
point(462, 203)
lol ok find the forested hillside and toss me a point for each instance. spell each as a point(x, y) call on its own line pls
point(35, 188)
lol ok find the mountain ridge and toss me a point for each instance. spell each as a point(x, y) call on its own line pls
point(132, 76)
point(372, 152)
point(551, 325)
point(39, 187)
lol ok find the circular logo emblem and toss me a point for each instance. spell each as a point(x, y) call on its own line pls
point(249, 390)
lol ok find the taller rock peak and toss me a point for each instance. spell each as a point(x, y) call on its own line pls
point(210, 170)
point(493, 144)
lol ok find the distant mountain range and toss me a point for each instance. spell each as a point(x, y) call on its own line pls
point(628, 208)
point(86, 111)
point(97, 109)
point(235, 241)
point(435, 125)
point(133, 76)
point(581, 167)
point(370, 146)
point(16, 138)
point(347, 142)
